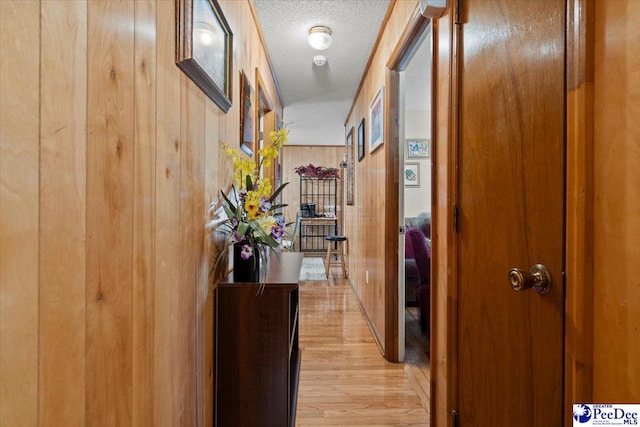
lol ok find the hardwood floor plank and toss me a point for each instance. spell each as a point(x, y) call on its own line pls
point(344, 380)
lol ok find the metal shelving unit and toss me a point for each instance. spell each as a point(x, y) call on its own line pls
point(319, 206)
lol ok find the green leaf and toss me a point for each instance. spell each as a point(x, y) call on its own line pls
point(226, 199)
point(249, 183)
point(263, 236)
point(278, 191)
point(242, 228)
point(274, 207)
point(227, 210)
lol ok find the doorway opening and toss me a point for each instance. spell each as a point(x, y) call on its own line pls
point(415, 187)
point(410, 83)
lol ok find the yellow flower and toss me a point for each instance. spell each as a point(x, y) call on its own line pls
point(279, 137)
point(231, 152)
point(264, 187)
point(266, 223)
point(251, 206)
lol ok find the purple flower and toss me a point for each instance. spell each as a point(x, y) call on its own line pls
point(277, 232)
point(265, 204)
point(247, 252)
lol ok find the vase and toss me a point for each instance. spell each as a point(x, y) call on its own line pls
point(245, 270)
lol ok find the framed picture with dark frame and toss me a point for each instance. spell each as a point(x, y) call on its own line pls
point(247, 115)
point(412, 174)
point(376, 121)
point(204, 47)
point(361, 141)
point(350, 166)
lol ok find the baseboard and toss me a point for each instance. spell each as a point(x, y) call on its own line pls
point(376, 338)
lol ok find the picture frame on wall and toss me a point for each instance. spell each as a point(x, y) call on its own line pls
point(361, 141)
point(412, 174)
point(204, 47)
point(376, 121)
point(247, 115)
point(417, 148)
point(350, 167)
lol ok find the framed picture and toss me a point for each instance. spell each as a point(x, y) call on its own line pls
point(204, 48)
point(247, 115)
point(361, 141)
point(418, 148)
point(350, 166)
point(376, 121)
point(412, 174)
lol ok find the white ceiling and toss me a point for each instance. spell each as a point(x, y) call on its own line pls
point(317, 99)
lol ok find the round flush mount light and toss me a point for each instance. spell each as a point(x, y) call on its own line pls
point(320, 37)
point(319, 60)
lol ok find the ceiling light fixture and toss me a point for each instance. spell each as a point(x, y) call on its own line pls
point(320, 37)
point(319, 60)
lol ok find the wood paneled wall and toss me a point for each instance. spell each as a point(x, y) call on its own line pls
point(109, 158)
point(365, 220)
point(616, 215)
point(299, 155)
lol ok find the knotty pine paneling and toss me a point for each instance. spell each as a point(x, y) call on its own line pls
point(19, 211)
point(212, 152)
point(167, 380)
point(616, 314)
point(110, 148)
point(144, 226)
point(63, 200)
point(109, 157)
point(366, 218)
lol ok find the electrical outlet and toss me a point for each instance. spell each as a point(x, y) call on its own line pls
point(366, 277)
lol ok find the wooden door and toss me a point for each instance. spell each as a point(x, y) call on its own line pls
point(511, 193)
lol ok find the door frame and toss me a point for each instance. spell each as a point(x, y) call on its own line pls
point(407, 43)
point(578, 375)
point(579, 196)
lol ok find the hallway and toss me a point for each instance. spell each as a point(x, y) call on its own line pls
point(344, 380)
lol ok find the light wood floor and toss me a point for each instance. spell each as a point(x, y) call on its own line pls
point(344, 380)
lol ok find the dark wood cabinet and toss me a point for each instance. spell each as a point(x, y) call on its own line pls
point(257, 357)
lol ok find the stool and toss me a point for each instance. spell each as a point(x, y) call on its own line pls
point(337, 240)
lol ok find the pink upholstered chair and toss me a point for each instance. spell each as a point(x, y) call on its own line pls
point(422, 255)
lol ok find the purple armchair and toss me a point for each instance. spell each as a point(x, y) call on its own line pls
point(422, 255)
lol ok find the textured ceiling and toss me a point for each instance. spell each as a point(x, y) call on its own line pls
point(317, 99)
point(285, 25)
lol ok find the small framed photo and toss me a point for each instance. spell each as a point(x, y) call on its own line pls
point(350, 167)
point(376, 121)
point(361, 141)
point(412, 174)
point(204, 46)
point(417, 148)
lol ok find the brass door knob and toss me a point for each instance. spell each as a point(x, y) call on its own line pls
point(538, 278)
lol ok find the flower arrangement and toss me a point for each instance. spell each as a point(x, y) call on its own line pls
point(320, 172)
point(253, 220)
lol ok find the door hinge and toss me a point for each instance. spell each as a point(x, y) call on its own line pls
point(454, 418)
point(457, 12)
point(456, 218)
point(402, 229)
